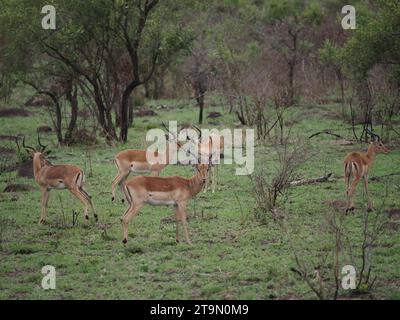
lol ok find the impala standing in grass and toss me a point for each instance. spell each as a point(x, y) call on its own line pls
point(49, 176)
point(357, 166)
point(175, 191)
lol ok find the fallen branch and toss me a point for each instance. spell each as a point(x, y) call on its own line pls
point(378, 178)
point(310, 181)
point(327, 132)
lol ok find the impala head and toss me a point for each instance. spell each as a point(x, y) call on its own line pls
point(202, 171)
point(377, 145)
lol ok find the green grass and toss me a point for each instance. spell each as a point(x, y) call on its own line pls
point(233, 255)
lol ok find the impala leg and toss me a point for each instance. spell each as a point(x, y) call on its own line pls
point(183, 218)
point(208, 182)
point(44, 201)
point(370, 206)
point(350, 192)
point(118, 180)
point(177, 219)
point(132, 211)
point(122, 187)
point(214, 179)
point(89, 200)
point(81, 197)
point(126, 193)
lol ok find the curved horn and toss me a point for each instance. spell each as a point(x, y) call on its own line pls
point(197, 128)
point(373, 134)
point(27, 147)
point(42, 147)
point(166, 128)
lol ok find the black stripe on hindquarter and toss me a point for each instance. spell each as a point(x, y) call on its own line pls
point(77, 178)
point(356, 167)
point(129, 193)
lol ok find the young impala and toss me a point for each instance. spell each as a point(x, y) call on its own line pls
point(357, 166)
point(176, 191)
point(50, 177)
point(135, 160)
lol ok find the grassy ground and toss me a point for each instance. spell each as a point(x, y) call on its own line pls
point(233, 255)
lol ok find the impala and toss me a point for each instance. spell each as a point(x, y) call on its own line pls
point(50, 177)
point(135, 160)
point(176, 191)
point(357, 166)
point(205, 149)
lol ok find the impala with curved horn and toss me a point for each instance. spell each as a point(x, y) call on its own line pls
point(176, 191)
point(206, 149)
point(135, 160)
point(357, 166)
point(49, 176)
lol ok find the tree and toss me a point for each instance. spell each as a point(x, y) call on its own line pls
point(90, 35)
point(288, 26)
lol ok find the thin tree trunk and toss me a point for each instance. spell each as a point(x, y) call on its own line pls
point(125, 110)
point(72, 97)
point(200, 102)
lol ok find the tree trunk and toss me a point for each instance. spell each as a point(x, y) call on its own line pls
point(290, 101)
point(105, 118)
point(72, 97)
point(130, 115)
point(200, 102)
point(125, 110)
point(58, 122)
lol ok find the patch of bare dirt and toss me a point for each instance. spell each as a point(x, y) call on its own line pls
point(393, 213)
point(394, 218)
point(4, 151)
point(213, 115)
point(39, 101)
point(18, 187)
point(14, 112)
point(85, 137)
point(7, 138)
point(166, 107)
point(44, 129)
point(25, 169)
point(145, 113)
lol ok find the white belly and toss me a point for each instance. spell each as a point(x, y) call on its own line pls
point(138, 169)
point(60, 186)
point(156, 202)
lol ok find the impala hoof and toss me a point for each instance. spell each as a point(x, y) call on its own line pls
point(124, 241)
point(87, 217)
point(41, 221)
point(123, 200)
point(112, 199)
point(369, 209)
point(96, 218)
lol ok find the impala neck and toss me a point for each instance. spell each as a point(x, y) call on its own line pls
point(175, 147)
point(196, 184)
point(371, 153)
point(38, 164)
